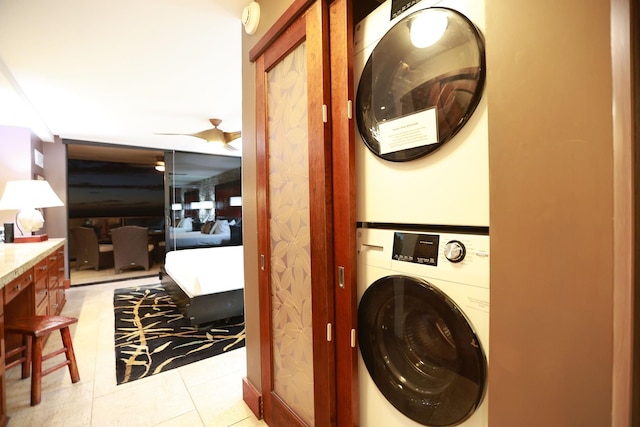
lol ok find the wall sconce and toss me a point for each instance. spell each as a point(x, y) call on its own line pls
point(207, 204)
point(176, 206)
point(235, 201)
point(194, 205)
point(27, 196)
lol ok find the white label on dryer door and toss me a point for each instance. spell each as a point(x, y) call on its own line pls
point(414, 130)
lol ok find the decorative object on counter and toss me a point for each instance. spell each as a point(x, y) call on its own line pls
point(27, 196)
point(152, 336)
point(8, 232)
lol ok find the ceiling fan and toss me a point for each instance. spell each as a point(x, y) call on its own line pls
point(213, 135)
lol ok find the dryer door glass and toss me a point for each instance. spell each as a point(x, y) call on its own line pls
point(421, 84)
point(421, 351)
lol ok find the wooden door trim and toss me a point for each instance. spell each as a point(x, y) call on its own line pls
point(293, 12)
point(344, 201)
point(321, 211)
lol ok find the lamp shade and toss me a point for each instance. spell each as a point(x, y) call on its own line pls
point(28, 194)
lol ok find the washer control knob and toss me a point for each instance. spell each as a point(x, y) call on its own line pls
point(454, 251)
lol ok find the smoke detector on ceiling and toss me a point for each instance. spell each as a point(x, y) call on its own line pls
point(251, 17)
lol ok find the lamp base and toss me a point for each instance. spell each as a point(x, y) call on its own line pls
point(31, 239)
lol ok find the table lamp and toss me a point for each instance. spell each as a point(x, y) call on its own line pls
point(27, 196)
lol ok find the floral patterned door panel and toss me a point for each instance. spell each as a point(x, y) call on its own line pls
point(290, 238)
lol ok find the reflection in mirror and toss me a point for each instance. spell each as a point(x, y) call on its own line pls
point(202, 193)
point(421, 84)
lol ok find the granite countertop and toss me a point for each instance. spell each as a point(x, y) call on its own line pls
point(16, 258)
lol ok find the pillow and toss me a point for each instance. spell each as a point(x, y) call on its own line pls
point(185, 223)
point(222, 227)
point(206, 228)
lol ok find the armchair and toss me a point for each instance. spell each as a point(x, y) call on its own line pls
point(131, 247)
point(88, 251)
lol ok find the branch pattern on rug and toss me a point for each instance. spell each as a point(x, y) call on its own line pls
point(152, 336)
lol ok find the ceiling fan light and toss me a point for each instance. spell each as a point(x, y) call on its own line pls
point(159, 166)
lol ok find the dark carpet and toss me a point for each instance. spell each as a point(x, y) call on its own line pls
point(152, 336)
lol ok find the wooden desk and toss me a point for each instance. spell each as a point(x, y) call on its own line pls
point(31, 281)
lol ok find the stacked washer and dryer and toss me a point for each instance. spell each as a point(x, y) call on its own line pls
point(422, 175)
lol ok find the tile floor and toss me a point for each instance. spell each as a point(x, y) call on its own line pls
point(89, 275)
point(205, 393)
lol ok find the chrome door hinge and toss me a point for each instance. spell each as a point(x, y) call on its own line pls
point(329, 332)
point(325, 113)
point(349, 109)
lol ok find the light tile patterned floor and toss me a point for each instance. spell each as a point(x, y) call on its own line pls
point(205, 393)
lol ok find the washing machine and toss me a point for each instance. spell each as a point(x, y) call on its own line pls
point(423, 326)
point(422, 134)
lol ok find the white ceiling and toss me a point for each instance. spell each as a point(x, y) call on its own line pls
point(120, 71)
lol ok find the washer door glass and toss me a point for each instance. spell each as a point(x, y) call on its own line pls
point(421, 84)
point(421, 351)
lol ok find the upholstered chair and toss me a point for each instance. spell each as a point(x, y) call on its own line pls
point(131, 247)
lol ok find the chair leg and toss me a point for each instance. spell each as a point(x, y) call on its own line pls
point(71, 356)
point(26, 365)
point(36, 378)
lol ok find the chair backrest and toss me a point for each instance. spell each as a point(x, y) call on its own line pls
point(130, 247)
point(86, 247)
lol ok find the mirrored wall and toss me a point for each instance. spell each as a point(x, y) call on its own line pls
point(203, 200)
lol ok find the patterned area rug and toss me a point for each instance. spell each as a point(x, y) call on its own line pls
point(152, 336)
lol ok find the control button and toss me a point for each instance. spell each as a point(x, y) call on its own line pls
point(454, 251)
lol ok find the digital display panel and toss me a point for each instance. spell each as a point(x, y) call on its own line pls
point(416, 248)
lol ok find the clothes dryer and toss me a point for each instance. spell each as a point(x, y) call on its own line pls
point(422, 135)
point(423, 327)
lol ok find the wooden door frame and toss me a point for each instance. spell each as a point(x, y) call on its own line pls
point(303, 21)
point(344, 214)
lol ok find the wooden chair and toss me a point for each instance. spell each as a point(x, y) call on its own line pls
point(88, 251)
point(34, 330)
point(131, 247)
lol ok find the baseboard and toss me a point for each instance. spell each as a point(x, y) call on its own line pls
point(252, 397)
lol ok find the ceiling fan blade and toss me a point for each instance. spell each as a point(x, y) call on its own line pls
point(212, 135)
point(231, 136)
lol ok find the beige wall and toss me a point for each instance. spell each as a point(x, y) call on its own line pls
point(549, 92)
point(270, 11)
point(15, 161)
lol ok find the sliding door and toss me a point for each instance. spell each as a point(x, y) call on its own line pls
point(295, 237)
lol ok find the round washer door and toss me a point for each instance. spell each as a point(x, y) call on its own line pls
point(421, 351)
point(420, 86)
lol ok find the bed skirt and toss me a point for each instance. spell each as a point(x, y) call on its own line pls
point(207, 308)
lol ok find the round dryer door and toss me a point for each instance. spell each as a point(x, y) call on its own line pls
point(421, 84)
point(421, 351)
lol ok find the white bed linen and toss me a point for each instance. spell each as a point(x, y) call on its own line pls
point(192, 239)
point(206, 270)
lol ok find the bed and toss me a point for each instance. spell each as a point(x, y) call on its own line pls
point(206, 284)
point(221, 232)
point(196, 239)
